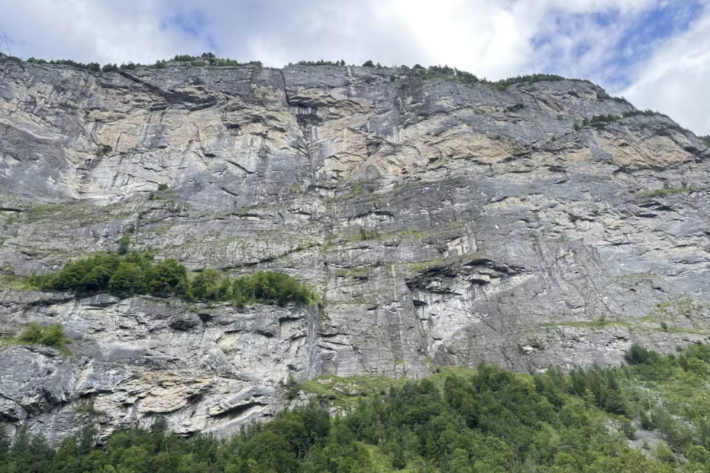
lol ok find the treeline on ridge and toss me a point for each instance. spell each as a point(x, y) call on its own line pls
point(209, 59)
point(488, 421)
point(203, 60)
point(134, 273)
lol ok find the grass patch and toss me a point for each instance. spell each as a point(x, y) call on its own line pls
point(692, 331)
point(358, 272)
point(668, 191)
point(683, 306)
point(88, 409)
point(16, 283)
point(595, 324)
point(345, 393)
point(78, 213)
point(38, 211)
point(638, 276)
point(426, 265)
point(404, 235)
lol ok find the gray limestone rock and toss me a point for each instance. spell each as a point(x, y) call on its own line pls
point(441, 223)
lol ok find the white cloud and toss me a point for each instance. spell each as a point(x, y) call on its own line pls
point(675, 80)
point(482, 36)
point(86, 30)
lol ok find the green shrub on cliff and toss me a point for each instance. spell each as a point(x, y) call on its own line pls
point(134, 273)
point(527, 79)
point(321, 62)
point(51, 336)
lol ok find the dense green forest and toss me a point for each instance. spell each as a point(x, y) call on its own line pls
point(129, 273)
point(458, 421)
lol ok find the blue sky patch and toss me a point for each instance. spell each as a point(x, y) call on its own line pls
point(627, 39)
point(193, 23)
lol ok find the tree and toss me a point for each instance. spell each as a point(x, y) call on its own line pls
point(368, 64)
point(460, 462)
point(68, 278)
point(639, 355)
point(127, 280)
point(123, 245)
point(4, 443)
point(95, 281)
point(205, 285)
point(87, 438)
point(164, 277)
point(398, 460)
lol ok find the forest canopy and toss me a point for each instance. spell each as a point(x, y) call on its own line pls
point(647, 417)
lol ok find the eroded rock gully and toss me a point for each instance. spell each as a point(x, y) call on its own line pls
point(442, 223)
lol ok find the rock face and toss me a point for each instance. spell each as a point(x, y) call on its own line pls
point(441, 223)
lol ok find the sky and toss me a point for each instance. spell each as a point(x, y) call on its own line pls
point(656, 53)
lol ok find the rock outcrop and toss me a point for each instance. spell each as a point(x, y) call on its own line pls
point(442, 223)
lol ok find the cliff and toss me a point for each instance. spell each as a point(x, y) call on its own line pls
point(442, 223)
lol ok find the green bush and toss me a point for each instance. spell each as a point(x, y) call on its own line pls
point(527, 79)
point(599, 120)
point(638, 355)
point(184, 58)
point(51, 336)
point(321, 62)
point(698, 454)
point(127, 280)
point(132, 273)
point(124, 244)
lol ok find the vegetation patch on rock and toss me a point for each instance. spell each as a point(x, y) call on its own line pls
point(135, 273)
point(52, 336)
